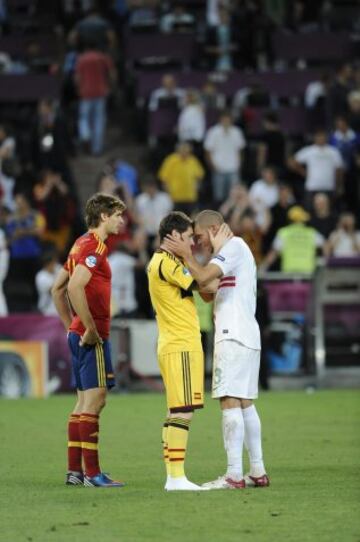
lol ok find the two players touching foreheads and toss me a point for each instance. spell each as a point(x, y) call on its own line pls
point(173, 272)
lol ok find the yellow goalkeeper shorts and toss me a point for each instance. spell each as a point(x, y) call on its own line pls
point(183, 376)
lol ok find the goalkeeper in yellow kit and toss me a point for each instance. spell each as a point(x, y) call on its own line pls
point(180, 352)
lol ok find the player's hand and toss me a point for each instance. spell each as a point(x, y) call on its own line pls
point(177, 246)
point(223, 236)
point(90, 337)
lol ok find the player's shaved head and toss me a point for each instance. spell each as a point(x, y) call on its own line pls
point(208, 218)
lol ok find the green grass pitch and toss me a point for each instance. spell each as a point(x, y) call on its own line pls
point(311, 448)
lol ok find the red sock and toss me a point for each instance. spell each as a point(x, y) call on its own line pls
point(74, 444)
point(89, 431)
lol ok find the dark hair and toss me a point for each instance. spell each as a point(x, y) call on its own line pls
point(100, 204)
point(271, 116)
point(176, 220)
point(225, 113)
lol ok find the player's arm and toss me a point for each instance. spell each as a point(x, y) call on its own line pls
point(203, 275)
point(207, 294)
point(59, 295)
point(77, 296)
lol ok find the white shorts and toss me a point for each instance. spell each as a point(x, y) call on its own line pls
point(235, 370)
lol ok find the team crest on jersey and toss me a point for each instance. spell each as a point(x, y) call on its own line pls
point(186, 271)
point(90, 261)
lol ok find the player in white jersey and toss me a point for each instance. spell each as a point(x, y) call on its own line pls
point(237, 345)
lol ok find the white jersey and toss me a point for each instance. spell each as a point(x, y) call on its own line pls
point(235, 301)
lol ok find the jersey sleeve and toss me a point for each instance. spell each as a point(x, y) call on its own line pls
point(91, 256)
point(175, 273)
point(227, 258)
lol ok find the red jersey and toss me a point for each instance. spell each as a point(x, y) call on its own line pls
point(90, 251)
point(93, 70)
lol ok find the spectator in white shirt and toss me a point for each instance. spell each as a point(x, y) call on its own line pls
point(123, 288)
point(4, 266)
point(177, 19)
point(191, 123)
point(224, 144)
point(7, 153)
point(168, 91)
point(265, 191)
point(44, 280)
point(151, 206)
point(321, 165)
point(316, 91)
point(344, 242)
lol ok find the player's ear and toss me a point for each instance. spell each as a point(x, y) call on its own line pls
point(175, 234)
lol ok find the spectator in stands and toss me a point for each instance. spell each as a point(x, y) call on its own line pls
point(248, 229)
point(4, 266)
point(24, 231)
point(337, 96)
point(211, 97)
point(7, 144)
point(213, 9)
point(191, 122)
point(346, 141)
point(271, 149)
point(279, 212)
point(123, 288)
point(4, 17)
point(245, 99)
point(168, 92)
point(315, 98)
point(7, 161)
point(181, 172)
point(344, 241)
point(126, 175)
point(221, 43)
point(53, 200)
point(266, 189)
point(224, 144)
point(151, 207)
point(51, 143)
point(177, 19)
point(106, 182)
point(348, 144)
point(44, 281)
point(236, 204)
point(93, 29)
point(324, 167)
point(296, 245)
point(143, 14)
point(94, 73)
point(323, 219)
point(354, 110)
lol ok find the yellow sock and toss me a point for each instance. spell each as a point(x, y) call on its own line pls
point(165, 445)
point(177, 437)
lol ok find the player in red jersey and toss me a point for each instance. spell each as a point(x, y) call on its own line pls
point(81, 295)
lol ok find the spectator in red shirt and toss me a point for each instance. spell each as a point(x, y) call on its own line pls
point(94, 72)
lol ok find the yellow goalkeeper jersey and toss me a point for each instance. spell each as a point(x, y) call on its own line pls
point(171, 296)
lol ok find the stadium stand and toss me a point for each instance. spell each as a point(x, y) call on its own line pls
point(300, 66)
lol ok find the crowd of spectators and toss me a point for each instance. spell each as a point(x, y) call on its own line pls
point(290, 197)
